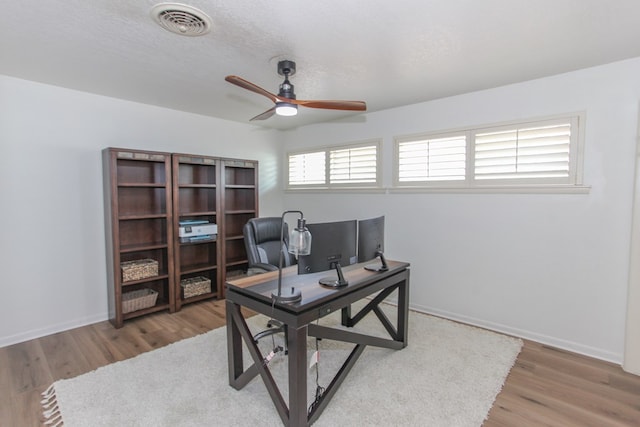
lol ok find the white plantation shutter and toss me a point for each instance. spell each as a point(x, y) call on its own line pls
point(346, 166)
point(540, 151)
point(434, 159)
point(353, 165)
point(307, 168)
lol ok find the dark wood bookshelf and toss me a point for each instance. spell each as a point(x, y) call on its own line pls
point(147, 195)
point(196, 197)
point(239, 198)
point(138, 209)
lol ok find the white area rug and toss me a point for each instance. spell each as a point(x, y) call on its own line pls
point(448, 376)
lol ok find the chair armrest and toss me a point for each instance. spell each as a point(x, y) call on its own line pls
point(260, 268)
point(266, 267)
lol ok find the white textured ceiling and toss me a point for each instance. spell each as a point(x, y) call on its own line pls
point(387, 53)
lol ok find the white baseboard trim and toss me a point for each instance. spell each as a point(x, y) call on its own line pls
point(497, 327)
point(51, 329)
point(525, 334)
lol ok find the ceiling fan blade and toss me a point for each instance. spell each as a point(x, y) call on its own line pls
point(265, 115)
point(332, 105)
point(239, 81)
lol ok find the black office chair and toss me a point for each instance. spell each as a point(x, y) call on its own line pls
point(263, 245)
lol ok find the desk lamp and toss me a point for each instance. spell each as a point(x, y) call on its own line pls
point(299, 244)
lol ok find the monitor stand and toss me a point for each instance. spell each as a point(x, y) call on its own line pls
point(332, 282)
point(378, 267)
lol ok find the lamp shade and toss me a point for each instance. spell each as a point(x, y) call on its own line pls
point(300, 239)
point(299, 244)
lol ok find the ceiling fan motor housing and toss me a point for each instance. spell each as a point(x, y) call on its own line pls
point(286, 69)
point(286, 90)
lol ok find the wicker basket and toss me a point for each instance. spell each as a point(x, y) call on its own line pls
point(195, 286)
point(137, 300)
point(138, 269)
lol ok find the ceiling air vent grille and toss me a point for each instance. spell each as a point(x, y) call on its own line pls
point(181, 19)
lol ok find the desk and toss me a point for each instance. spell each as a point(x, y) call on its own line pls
point(254, 292)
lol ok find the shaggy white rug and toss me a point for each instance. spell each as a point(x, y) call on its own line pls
point(449, 376)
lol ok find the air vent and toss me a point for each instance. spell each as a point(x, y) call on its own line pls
point(181, 19)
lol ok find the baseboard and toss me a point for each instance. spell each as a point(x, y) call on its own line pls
point(497, 327)
point(52, 329)
point(594, 352)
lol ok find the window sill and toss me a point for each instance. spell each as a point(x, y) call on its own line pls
point(494, 189)
point(368, 190)
point(506, 189)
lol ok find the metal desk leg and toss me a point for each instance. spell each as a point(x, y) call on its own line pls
point(403, 311)
point(234, 346)
point(297, 343)
point(346, 316)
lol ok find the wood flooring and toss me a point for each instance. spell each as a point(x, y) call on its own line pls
point(546, 387)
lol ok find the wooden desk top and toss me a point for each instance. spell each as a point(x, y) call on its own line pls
point(261, 286)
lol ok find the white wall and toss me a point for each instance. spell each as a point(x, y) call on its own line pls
point(52, 264)
point(550, 267)
point(632, 335)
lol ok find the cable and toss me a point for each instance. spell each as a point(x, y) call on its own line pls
point(319, 388)
point(276, 348)
point(273, 339)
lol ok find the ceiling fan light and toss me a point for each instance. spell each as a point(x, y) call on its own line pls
point(286, 109)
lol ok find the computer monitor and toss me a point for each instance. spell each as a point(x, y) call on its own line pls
point(371, 243)
point(370, 238)
point(331, 243)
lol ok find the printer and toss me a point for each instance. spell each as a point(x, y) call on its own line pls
point(197, 229)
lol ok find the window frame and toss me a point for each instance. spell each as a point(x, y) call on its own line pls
point(327, 185)
point(576, 153)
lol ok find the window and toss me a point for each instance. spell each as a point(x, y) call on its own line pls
point(544, 152)
point(532, 151)
point(350, 166)
point(353, 165)
point(432, 159)
point(307, 168)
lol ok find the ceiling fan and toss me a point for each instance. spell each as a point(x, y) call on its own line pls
point(285, 101)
